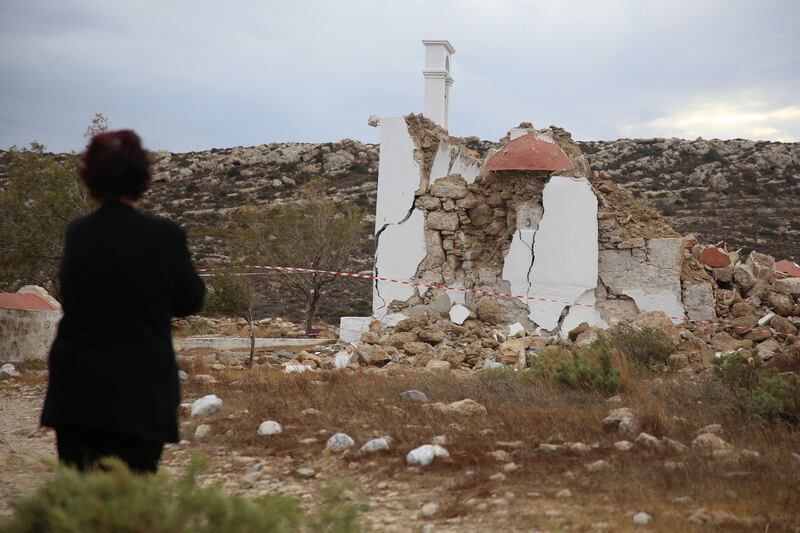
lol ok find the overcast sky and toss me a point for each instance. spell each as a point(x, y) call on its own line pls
point(191, 75)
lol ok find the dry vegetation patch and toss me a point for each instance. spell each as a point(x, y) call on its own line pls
point(496, 470)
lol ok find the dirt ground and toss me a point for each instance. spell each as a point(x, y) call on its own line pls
point(496, 478)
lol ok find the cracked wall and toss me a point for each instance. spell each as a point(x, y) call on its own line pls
point(581, 247)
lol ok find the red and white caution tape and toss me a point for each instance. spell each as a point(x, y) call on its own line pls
point(268, 269)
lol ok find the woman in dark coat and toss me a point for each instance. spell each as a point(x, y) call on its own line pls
point(113, 386)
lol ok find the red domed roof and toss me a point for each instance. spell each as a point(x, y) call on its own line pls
point(529, 153)
point(27, 301)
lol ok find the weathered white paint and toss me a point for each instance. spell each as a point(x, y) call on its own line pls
point(650, 276)
point(398, 173)
point(351, 327)
point(401, 248)
point(663, 300)
point(565, 249)
point(451, 160)
point(437, 81)
point(582, 313)
point(26, 334)
point(458, 314)
point(518, 261)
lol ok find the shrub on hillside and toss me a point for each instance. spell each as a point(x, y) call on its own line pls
point(591, 368)
point(117, 500)
point(760, 392)
point(645, 347)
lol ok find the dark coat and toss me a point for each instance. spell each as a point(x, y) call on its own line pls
point(112, 366)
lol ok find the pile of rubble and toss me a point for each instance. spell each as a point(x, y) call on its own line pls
point(756, 299)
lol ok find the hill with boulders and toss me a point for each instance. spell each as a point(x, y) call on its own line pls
point(738, 191)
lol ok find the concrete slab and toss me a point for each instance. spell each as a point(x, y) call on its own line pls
point(216, 342)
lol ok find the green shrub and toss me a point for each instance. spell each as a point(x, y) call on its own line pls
point(759, 391)
point(645, 347)
point(590, 368)
point(119, 501)
point(547, 363)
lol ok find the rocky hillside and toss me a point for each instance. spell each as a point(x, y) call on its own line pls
point(743, 192)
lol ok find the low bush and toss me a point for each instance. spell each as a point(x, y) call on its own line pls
point(591, 368)
point(116, 500)
point(760, 391)
point(646, 346)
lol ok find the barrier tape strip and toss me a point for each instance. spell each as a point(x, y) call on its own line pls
point(268, 269)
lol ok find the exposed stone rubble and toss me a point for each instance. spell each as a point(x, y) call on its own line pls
point(502, 227)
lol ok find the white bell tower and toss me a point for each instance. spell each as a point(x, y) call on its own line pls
point(438, 81)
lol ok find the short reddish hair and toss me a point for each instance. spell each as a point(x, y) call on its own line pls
point(115, 166)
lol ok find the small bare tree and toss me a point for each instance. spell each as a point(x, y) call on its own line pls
point(231, 293)
point(99, 124)
point(315, 233)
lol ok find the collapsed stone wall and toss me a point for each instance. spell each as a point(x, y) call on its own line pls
point(478, 228)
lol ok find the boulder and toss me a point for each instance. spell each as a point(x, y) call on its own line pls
point(425, 455)
point(442, 220)
point(453, 187)
point(489, 311)
point(659, 321)
point(789, 286)
point(781, 303)
point(761, 265)
point(783, 325)
point(723, 342)
point(206, 405)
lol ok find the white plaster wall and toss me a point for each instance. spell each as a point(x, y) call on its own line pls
point(401, 248)
point(451, 160)
point(398, 173)
point(650, 276)
point(518, 261)
point(565, 249)
point(586, 312)
point(27, 334)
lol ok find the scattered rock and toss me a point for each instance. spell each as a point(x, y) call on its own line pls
point(425, 454)
point(202, 431)
point(8, 371)
point(430, 509)
point(649, 442)
point(206, 405)
point(306, 473)
point(415, 395)
point(623, 445)
point(642, 519)
point(374, 445)
point(710, 443)
point(716, 429)
point(270, 427)
point(340, 441)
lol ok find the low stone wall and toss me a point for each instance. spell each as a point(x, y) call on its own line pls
point(26, 334)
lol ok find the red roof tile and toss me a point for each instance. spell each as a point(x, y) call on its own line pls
point(27, 301)
point(787, 267)
point(714, 257)
point(529, 153)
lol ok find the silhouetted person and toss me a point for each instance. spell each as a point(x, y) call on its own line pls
point(113, 386)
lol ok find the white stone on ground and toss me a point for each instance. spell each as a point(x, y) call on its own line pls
point(458, 314)
point(342, 359)
point(430, 509)
point(375, 445)
point(340, 441)
point(642, 519)
point(415, 395)
point(515, 328)
point(290, 368)
point(269, 427)
point(8, 371)
point(206, 405)
point(202, 431)
point(424, 455)
point(182, 376)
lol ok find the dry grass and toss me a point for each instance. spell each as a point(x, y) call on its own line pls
point(525, 412)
